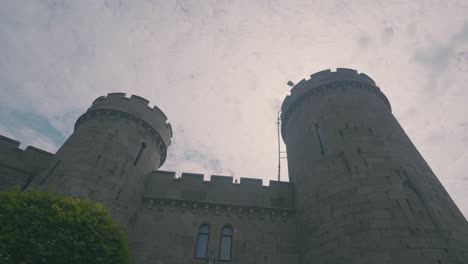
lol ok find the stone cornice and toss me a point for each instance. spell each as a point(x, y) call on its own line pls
point(123, 115)
point(218, 209)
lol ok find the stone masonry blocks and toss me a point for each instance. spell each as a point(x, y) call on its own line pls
point(360, 192)
point(363, 193)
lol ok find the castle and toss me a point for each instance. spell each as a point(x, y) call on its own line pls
point(359, 191)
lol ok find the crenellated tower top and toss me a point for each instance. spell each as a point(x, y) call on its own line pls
point(137, 108)
point(328, 80)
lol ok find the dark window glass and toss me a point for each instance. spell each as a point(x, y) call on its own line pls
point(203, 236)
point(225, 244)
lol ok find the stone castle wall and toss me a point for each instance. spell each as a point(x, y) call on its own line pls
point(165, 227)
point(360, 192)
point(262, 217)
point(219, 190)
point(115, 145)
point(363, 193)
point(17, 166)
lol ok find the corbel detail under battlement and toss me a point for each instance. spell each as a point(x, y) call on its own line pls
point(218, 209)
point(333, 88)
point(122, 115)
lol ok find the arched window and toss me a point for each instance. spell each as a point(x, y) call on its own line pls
point(201, 248)
point(225, 246)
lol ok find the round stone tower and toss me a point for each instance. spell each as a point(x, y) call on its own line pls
point(363, 193)
point(114, 147)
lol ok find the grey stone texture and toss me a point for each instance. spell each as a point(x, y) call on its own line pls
point(359, 193)
point(363, 193)
point(263, 219)
point(115, 145)
point(18, 167)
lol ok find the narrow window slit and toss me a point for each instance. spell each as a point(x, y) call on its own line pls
point(362, 157)
point(118, 194)
point(346, 162)
point(409, 205)
point(319, 136)
point(97, 160)
point(142, 147)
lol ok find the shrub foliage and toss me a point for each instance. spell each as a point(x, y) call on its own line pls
point(37, 227)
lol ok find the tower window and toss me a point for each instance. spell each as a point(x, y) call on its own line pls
point(319, 136)
point(225, 246)
point(142, 147)
point(201, 248)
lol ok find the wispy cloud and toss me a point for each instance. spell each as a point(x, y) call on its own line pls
point(218, 69)
point(439, 56)
point(30, 137)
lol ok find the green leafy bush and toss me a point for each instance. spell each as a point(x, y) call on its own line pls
point(37, 227)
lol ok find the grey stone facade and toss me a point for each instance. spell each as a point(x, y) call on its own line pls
point(359, 193)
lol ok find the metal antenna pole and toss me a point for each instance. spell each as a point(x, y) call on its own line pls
point(278, 121)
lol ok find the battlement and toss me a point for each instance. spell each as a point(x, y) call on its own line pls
point(19, 166)
point(135, 106)
point(340, 74)
point(324, 79)
point(8, 144)
point(219, 189)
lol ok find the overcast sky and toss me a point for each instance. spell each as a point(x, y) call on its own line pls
point(219, 69)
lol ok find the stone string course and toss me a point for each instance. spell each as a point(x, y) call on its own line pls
point(221, 190)
point(219, 209)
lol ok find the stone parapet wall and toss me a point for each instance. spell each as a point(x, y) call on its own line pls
point(17, 166)
point(166, 232)
point(220, 190)
point(216, 208)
